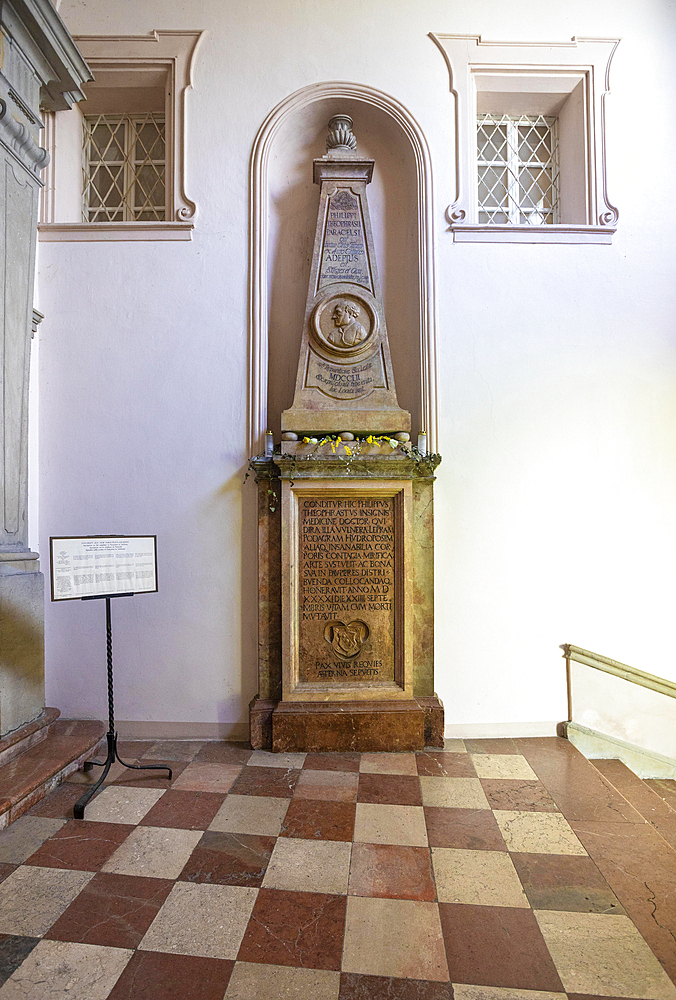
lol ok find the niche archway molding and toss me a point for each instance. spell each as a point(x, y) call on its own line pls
point(258, 248)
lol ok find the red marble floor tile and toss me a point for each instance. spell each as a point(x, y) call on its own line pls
point(314, 819)
point(303, 929)
point(152, 779)
point(665, 788)
point(525, 796)
point(112, 910)
point(469, 829)
point(274, 781)
point(497, 946)
point(59, 803)
point(133, 750)
point(219, 752)
point(491, 746)
point(357, 987)
point(332, 761)
point(157, 976)
point(174, 750)
point(229, 859)
point(72, 727)
point(574, 783)
point(650, 805)
point(80, 845)
point(445, 765)
point(184, 810)
point(389, 789)
point(13, 950)
point(589, 996)
point(5, 870)
point(391, 872)
point(640, 868)
point(565, 882)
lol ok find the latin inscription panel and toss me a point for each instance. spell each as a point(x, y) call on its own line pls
point(346, 589)
point(344, 251)
point(346, 381)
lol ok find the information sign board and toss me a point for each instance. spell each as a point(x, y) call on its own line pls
point(102, 565)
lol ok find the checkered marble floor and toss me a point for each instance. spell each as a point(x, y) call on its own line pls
point(458, 873)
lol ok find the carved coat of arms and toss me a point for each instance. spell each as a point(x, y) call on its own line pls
point(346, 640)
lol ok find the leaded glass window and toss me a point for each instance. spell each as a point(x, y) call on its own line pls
point(518, 171)
point(124, 165)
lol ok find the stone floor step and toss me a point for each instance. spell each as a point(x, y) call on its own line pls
point(28, 777)
point(654, 809)
point(665, 788)
point(27, 736)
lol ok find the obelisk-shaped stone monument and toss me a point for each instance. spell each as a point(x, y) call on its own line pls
point(345, 380)
point(346, 574)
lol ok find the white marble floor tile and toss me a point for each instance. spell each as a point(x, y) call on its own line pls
point(309, 866)
point(453, 793)
point(599, 954)
point(203, 920)
point(261, 758)
point(537, 832)
point(506, 765)
point(60, 970)
point(32, 898)
point(483, 878)
point(394, 937)
point(123, 804)
point(23, 838)
point(259, 814)
point(389, 824)
point(464, 992)
point(153, 851)
point(250, 980)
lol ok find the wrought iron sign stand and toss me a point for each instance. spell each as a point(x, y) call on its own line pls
point(111, 735)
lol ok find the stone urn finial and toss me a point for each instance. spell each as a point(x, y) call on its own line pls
point(340, 135)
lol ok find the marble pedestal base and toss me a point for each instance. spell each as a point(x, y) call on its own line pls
point(22, 658)
point(364, 726)
point(312, 697)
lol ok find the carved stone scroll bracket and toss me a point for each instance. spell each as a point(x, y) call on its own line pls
point(18, 137)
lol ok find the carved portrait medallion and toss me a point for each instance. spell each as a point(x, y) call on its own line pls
point(344, 326)
point(346, 640)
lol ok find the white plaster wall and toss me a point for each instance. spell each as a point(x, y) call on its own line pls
point(556, 495)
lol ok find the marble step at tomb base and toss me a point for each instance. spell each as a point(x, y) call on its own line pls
point(31, 774)
point(654, 809)
point(364, 726)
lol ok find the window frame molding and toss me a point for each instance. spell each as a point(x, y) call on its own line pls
point(172, 52)
point(471, 62)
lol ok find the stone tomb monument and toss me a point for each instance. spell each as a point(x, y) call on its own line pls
point(346, 576)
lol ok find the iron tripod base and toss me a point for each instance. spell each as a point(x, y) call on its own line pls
point(79, 807)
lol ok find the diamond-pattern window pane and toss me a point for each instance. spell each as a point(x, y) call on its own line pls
point(518, 174)
point(124, 168)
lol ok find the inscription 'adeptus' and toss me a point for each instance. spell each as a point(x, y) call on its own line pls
point(346, 566)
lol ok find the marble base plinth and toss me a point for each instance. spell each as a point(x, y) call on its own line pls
point(22, 656)
point(363, 726)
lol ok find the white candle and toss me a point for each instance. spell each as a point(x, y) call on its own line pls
point(269, 444)
point(422, 442)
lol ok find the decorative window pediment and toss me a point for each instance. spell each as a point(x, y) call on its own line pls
point(565, 83)
point(128, 188)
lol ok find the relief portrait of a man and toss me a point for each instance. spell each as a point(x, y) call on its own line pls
point(348, 331)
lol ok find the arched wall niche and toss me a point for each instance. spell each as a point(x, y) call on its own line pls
point(283, 217)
